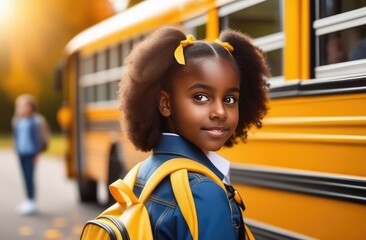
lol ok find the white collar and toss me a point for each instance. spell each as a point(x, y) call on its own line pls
point(169, 134)
point(221, 164)
point(218, 161)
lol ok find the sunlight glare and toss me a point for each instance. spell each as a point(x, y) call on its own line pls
point(5, 9)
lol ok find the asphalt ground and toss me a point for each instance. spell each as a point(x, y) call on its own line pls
point(60, 213)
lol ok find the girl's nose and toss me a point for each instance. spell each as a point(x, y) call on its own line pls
point(218, 111)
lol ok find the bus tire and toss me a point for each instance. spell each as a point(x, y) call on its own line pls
point(87, 190)
point(116, 169)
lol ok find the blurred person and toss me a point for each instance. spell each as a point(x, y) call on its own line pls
point(31, 136)
point(335, 49)
point(359, 51)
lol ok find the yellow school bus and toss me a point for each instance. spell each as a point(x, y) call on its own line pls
point(303, 175)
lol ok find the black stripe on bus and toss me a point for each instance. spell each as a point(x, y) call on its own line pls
point(111, 125)
point(105, 226)
point(268, 234)
point(346, 189)
point(316, 87)
point(120, 226)
point(265, 231)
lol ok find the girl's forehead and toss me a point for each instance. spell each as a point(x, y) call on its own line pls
point(215, 67)
point(212, 71)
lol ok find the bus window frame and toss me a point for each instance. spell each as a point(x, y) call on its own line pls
point(269, 42)
point(331, 24)
point(237, 6)
point(114, 56)
point(108, 75)
point(193, 23)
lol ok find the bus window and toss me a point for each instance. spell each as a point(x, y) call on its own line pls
point(328, 8)
point(126, 48)
point(275, 66)
point(102, 92)
point(121, 54)
point(196, 27)
point(114, 56)
point(89, 94)
point(258, 20)
point(113, 88)
point(340, 31)
point(262, 21)
point(102, 60)
point(87, 65)
point(343, 46)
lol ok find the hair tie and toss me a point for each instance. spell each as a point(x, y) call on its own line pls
point(178, 53)
point(226, 45)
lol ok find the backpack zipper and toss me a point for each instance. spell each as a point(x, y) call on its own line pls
point(120, 226)
point(105, 226)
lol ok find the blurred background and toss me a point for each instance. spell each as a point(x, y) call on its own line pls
point(302, 175)
point(33, 37)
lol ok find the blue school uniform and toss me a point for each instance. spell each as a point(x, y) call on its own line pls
point(215, 219)
point(27, 144)
point(27, 136)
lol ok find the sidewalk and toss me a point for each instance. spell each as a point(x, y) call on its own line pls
point(60, 216)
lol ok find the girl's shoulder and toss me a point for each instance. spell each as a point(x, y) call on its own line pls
point(202, 184)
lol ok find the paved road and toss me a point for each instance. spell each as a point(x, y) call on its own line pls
point(60, 216)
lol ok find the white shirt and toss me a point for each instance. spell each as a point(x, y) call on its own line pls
point(218, 161)
point(221, 164)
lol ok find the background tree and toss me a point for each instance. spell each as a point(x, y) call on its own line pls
point(32, 41)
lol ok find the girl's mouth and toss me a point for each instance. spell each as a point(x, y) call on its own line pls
point(216, 131)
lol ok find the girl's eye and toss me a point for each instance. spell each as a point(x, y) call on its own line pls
point(201, 98)
point(230, 100)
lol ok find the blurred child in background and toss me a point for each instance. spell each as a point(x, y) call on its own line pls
point(31, 136)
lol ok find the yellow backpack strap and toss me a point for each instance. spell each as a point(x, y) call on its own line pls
point(131, 176)
point(248, 234)
point(122, 193)
point(174, 165)
point(183, 195)
point(178, 169)
point(122, 190)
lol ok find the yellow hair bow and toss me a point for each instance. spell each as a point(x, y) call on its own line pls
point(226, 45)
point(178, 53)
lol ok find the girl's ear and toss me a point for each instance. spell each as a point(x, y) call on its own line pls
point(164, 104)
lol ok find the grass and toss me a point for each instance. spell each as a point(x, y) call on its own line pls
point(56, 148)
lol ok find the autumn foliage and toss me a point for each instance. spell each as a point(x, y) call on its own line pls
point(32, 41)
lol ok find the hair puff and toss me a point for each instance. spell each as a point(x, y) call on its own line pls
point(253, 71)
point(144, 72)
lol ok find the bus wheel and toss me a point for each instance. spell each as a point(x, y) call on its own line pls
point(87, 190)
point(116, 169)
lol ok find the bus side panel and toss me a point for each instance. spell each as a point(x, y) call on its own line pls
point(317, 217)
point(312, 150)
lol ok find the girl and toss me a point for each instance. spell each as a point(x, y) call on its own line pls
point(186, 98)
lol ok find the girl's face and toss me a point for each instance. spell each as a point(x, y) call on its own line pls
point(203, 107)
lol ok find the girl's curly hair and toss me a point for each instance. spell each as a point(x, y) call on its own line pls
point(151, 67)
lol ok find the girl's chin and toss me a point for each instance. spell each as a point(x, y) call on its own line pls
point(211, 149)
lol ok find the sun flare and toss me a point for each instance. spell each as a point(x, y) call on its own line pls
point(5, 8)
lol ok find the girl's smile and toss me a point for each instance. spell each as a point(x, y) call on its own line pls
point(203, 107)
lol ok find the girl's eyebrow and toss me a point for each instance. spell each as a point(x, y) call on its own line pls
point(230, 90)
point(208, 87)
point(200, 85)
